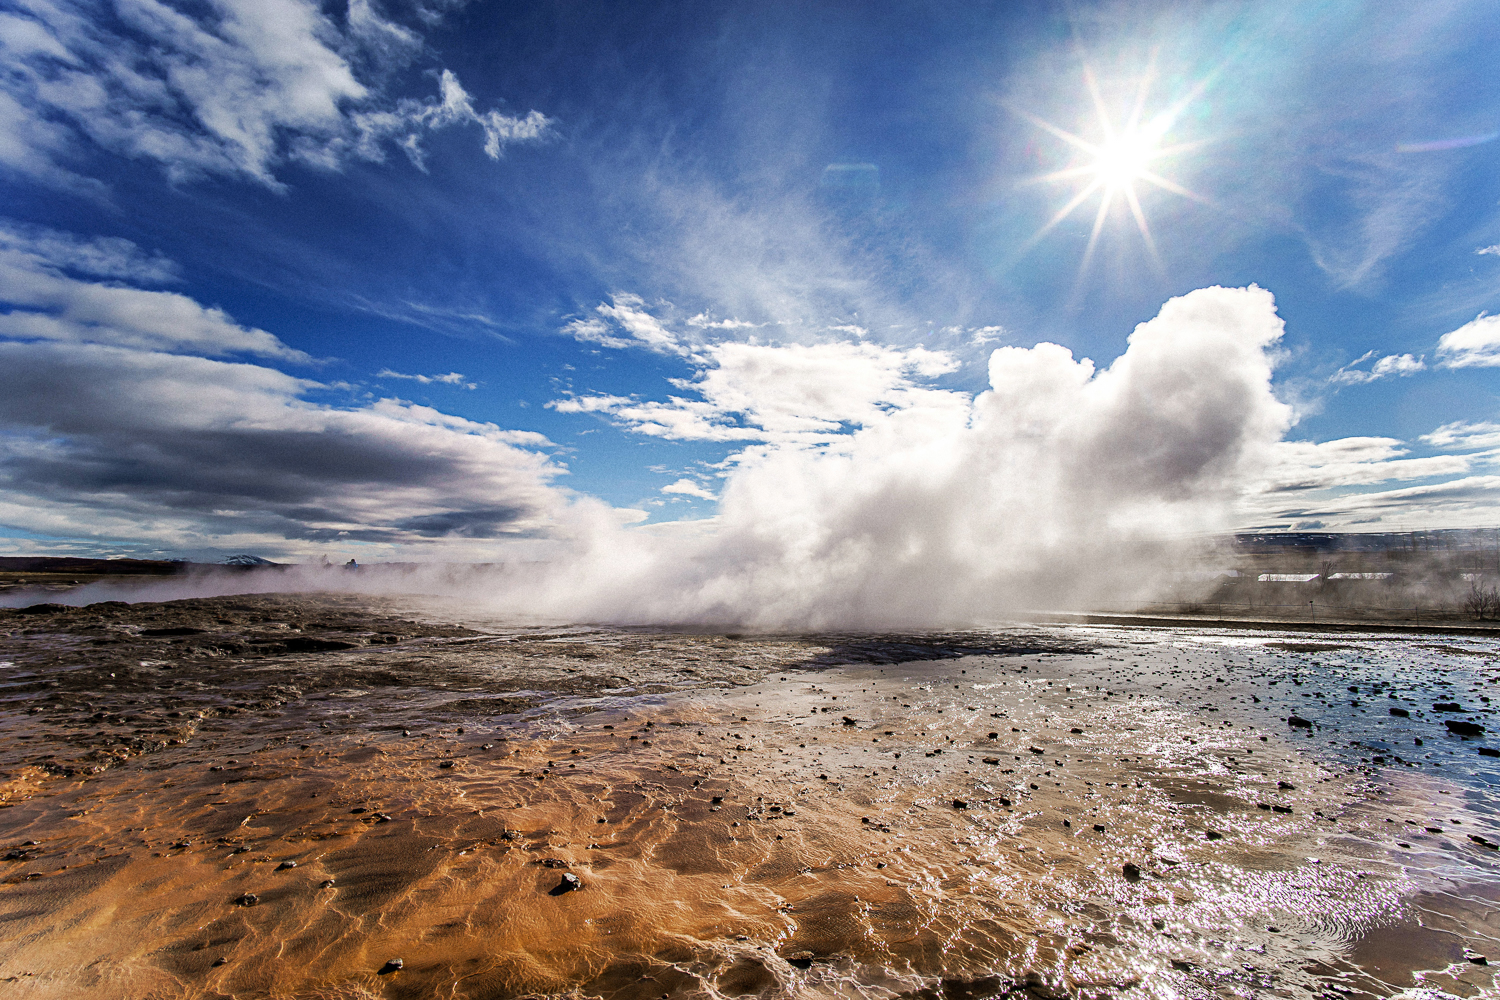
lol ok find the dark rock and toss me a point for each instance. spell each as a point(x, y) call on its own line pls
point(43, 609)
point(553, 863)
point(248, 899)
point(1076, 731)
point(1401, 713)
point(286, 866)
point(849, 722)
point(1447, 706)
point(1213, 835)
point(1458, 727)
point(1037, 750)
point(1483, 842)
point(960, 804)
point(327, 883)
point(1489, 752)
point(991, 760)
point(1297, 722)
point(1098, 827)
point(1132, 872)
point(569, 883)
point(1286, 786)
point(394, 965)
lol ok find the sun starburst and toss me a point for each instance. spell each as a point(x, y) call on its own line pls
point(1124, 157)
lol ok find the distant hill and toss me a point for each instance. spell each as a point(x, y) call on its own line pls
point(91, 567)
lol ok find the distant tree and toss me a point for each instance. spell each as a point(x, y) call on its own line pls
point(1481, 603)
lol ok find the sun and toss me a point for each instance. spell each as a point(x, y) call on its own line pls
point(1127, 155)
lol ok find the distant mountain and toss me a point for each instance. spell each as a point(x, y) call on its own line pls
point(246, 560)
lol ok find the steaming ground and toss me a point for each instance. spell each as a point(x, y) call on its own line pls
point(277, 796)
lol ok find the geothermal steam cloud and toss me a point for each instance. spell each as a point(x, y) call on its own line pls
point(1059, 486)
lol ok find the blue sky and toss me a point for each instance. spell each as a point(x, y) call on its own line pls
point(409, 280)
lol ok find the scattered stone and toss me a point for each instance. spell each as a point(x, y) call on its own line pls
point(569, 883)
point(960, 804)
point(248, 899)
point(286, 866)
point(996, 760)
point(327, 883)
point(1401, 713)
point(1213, 835)
point(1286, 786)
point(394, 965)
point(1098, 827)
point(1483, 842)
point(1447, 706)
point(1297, 722)
point(1132, 872)
point(1458, 727)
point(1076, 731)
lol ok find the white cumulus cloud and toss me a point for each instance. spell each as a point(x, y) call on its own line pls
point(686, 487)
point(228, 87)
point(1476, 344)
point(1391, 364)
point(779, 392)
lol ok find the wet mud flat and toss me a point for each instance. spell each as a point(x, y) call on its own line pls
point(1069, 811)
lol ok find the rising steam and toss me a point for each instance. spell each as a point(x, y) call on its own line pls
point(1058, 487)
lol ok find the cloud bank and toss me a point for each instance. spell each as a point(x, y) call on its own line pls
point(130, 414)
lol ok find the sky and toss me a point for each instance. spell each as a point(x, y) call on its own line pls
point(797, 286)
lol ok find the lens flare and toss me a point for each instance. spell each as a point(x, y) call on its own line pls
point(1114, 166)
